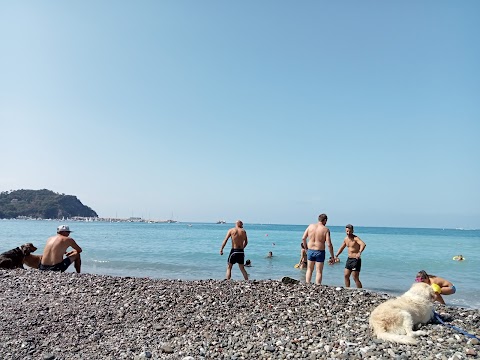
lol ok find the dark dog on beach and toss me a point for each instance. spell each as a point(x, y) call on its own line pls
point(13, 259)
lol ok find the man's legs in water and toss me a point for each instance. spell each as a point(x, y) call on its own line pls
point(356, 278)
point(229, 271)
point(242, 269)
point(346, 275)
point(308, 275)
point(318, 278)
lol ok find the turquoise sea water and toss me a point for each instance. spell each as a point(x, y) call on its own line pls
point(191, 251)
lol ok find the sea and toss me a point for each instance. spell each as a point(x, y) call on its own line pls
point(190, 251)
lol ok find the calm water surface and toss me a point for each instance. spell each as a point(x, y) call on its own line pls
point(191, 251)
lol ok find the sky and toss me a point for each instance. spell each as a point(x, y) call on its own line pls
point(265, 111)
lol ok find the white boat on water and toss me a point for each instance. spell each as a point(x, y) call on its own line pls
point(221, 222)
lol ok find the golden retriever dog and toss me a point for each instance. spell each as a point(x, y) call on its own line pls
point(32, 261)
point(394, 319)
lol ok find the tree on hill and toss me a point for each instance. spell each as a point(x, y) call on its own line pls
point(44, 204)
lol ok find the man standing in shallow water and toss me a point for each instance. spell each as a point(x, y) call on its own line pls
point(237, 254)
point(354, 263)
point(317, 234)
point(56, 247)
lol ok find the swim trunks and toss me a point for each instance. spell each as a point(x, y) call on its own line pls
point(62, 266)
point(316, 255)
point(353, 264)
point(236, 256)
point(454, 289)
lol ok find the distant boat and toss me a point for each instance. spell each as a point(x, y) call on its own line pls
point(171, 221)
point(221, 222)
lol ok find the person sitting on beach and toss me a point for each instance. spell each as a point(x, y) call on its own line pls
point(56, 247)
point(318, 235)
point(439, 285)
point(248, 263)
point(270, 254)
point(237, 254)
point(354, 263)
point(302, 263)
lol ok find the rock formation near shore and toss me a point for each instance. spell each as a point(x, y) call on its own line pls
point(43, 204)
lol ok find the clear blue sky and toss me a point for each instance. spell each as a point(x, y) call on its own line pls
point(267, 111)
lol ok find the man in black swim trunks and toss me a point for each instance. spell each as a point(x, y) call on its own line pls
point(239, 243)
point(56, 247)
point(354, 263)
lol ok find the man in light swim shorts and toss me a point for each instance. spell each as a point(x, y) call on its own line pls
point(353, 265)
point(237, 254)
point(318, 235)
point(56, 247)
point(440, 285)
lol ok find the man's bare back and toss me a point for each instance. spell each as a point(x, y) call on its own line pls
point(56, 247)
point(317, 236)
point(239, 235)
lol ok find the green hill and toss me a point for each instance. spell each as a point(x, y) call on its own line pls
point(44, 204)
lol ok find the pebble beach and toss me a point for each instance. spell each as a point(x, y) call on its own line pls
point(47, 315)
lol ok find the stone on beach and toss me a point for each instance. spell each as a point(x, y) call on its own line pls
point(46, 315)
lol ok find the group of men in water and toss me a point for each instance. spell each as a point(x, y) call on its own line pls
point(313, 256)
point(313, 253)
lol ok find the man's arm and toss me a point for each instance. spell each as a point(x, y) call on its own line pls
point(341, 249)
point(225, 241)
point(245, 243)
point(330, 245)
point(362, 246)
point(304, 239)
point(74, 245)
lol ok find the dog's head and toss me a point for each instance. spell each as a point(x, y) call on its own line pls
point(28, 248)
point(425, 291)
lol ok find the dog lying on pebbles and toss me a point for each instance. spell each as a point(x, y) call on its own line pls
point(395, 319)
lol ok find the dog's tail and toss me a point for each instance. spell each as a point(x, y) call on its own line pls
point(396, 338)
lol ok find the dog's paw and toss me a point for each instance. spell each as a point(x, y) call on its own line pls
point(419, 333)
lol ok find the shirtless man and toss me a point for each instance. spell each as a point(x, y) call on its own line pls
point(317, 234)
point(56, 247)
point(443, 286)
point(355, 247)
point(239, 243)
